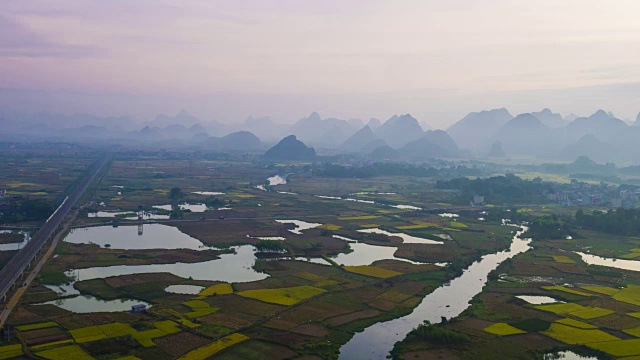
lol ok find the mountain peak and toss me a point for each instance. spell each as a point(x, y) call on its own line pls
point(600, 114)
point(314, 117)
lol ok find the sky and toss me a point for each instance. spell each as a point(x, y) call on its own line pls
point(227, 60)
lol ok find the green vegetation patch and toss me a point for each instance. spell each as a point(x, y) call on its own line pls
point(531, 325)
point(372, 271)
point(592, 313)
point(458, 225)
point(503, 329)
point(42, 325)
point(563, 259)
point(601, 289)
point(634, 314)
point(630, 295)
point(283, 296)
point(619, 348)
point(561, 308)
point(54, 278)
point(567, 290)
point(571, 335)
point(364, 217)
point(199, 308)
point(218, 289)
point(51, 344)
point(99, 332)
point(209, 350)
point(71, 352)
point(10, 351)
point(633, 331)
point(576, 323)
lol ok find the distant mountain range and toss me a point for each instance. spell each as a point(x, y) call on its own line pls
point(494, 133)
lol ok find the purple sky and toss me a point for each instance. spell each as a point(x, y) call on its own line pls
point(227, 60)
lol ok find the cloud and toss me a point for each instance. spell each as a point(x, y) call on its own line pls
point(18, 40)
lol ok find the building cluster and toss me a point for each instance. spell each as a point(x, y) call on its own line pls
point(580, 193)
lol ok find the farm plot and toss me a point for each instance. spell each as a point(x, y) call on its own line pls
point(283, 296)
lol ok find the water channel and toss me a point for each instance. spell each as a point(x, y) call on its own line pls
point(449, 300)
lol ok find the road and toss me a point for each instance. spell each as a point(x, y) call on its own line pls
point(13, 270)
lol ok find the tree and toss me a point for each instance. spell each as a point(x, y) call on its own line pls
point(176, 194)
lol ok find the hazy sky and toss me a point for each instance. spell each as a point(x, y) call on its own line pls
point(230, 59)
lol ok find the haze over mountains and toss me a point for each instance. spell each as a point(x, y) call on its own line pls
point(496, 133)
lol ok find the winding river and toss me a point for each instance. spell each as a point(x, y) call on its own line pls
point(449, 300)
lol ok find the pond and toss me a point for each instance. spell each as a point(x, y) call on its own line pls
point(300, 225)
point(15, 245)
point(89, 304)
point(632, 265)
point(277, 180)
point(406, 238)
point(184, 289)
point(567, 355)
point(236, 267)
point(196, 208)
point(449, 300)
point(109, 214)
point(406, 207)
point(207, 193)
point(449, 215)
point(538, 300)
point(154, 236)
point(365, 254)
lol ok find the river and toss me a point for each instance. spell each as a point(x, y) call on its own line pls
point(449, 300)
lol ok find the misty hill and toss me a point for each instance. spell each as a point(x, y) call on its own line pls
point(525, 134)
point(637, 123)
point(400, 130)
point(290, 148)
point(496, 150)
point(473, 131)
point(550, 119)
point(264, 128)
point(590, 146)
point(384, 152)
point(182, 118)
point(374, 123)
point(239, 141)
point(433, 144)
point(359, 140)
point(600, 124)
point(329, 132)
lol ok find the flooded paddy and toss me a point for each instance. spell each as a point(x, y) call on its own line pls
point(154, 236)
point(365, 254)
point(406, 238)
point(13, 246)
point(196, 208)
point(89, 304)
point(207, 193)
point(235, 267)
point(300, 225)
point(184, 289)
point(538, 300)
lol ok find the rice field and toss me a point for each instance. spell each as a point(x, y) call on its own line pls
point(576, 323)
point(503, 329)
point(619, 348)
point(71, 352)
point(42, 325)
point(372, 271)
point(630, 295)
point(572, 335)
point(601, 289)
point(198, 308)
point(633, 331)
point(215, 347)
point(330, 227)
point(10, 351)
point(567, 290)
point(364, 217)
point(563, 259)
point(99, 332)
point(218, 289)
point(561, 308)
point(592, 313)
point(283, 296)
